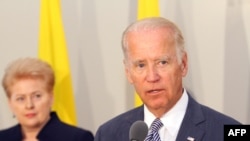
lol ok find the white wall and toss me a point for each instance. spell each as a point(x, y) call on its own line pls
point(217, 37)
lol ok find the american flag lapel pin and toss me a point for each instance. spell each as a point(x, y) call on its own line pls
point(190, 138)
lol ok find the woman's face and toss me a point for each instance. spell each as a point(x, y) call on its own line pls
point(30, 102)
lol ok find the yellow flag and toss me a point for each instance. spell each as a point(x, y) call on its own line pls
point(52, 48)
point(146, 8)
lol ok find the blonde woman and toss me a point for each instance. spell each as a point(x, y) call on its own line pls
point(28, 84)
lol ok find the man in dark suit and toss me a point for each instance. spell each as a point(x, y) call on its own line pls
point(155, 62)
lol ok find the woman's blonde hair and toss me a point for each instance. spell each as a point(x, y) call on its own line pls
point(28, 68)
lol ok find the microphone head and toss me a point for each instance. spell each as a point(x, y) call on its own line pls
point(138, 131)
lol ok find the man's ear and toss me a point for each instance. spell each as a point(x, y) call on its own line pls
point(184, 64)
point(127, 71)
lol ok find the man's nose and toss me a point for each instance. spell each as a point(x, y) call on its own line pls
point(152, 74)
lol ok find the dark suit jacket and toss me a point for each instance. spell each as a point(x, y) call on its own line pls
point(54, 130)
point(200, 122)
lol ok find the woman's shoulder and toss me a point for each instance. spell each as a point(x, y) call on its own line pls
point(11, 133)
point(59, 130)
point(64, 131)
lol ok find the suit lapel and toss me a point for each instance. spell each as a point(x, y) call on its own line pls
point(191, 127)
point(137, 114)
point(130, 117)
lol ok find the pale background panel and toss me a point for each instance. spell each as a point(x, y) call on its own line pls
point(217, 37)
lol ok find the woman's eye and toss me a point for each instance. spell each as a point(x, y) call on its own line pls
point(20, 99)
point(38, 95)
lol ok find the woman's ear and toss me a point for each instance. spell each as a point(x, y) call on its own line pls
point(51, 99)
point(11, 107)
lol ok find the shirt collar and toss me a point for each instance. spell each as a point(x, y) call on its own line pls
point(173, 118)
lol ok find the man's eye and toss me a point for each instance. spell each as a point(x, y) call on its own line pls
point(141, 65)
point(163, 62)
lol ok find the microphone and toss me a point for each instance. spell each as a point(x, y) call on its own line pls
point(138, 131)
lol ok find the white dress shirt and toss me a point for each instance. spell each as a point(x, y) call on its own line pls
point(171, 120)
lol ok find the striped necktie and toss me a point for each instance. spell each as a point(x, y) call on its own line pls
point(153, 134)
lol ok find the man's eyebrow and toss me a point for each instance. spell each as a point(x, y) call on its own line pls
point(166, 57)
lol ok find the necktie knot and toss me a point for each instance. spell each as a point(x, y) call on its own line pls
point(153, 134)
point(156, 125)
